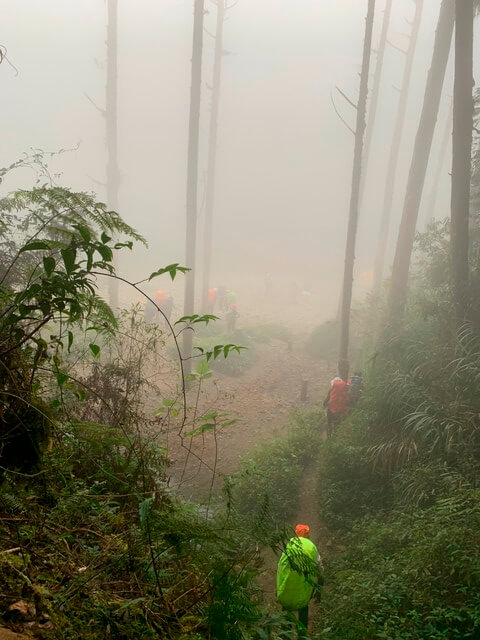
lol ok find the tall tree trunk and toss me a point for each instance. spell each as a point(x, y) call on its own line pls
point(212, 153)
point(462, 154)
point(192, 176)
point(113, 178)
point(421, 153)
point(395, 150)
point(442, 154)
point(375, 93)
point(343, 364)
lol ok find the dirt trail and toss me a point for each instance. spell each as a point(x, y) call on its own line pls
point(261, 400)
point(307, 513)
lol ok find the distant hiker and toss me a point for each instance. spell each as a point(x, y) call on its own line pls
point(355, 388)
point(160, 297)
point(150, 311)
point(211, 298)
point(231, 298)
point(222, 298)
point(298, 574)
point(336, 403)
point(163, 302)
point(232, 316)
point(167, 307)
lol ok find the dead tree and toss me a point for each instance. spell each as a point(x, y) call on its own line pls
point(395, 149)
point(192, 176)
point(418, 167)
point(343, 364)
point(212, 152)
point(380, 55)
point(442, 154)
point(461, 154)
point(111, 119)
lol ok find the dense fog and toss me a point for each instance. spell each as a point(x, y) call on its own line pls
point(284, 157)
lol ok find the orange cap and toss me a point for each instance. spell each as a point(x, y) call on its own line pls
point(302, 530)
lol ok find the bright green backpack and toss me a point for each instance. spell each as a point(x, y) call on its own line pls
point(296, 574)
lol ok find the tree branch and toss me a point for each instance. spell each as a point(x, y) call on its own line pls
point(341, 118)
point(102, 111)
point(346, 98)
point(394, 46)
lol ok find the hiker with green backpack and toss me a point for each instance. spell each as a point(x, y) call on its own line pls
point(299, 574)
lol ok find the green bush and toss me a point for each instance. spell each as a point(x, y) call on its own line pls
point(348, 488)
point(273, 474)
point(410, 575)
point(237, 363)
point(95, 543)
point(399, 478)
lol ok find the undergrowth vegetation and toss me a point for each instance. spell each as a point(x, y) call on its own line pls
point(95, 544)
point(399, 480)
point(271, 477)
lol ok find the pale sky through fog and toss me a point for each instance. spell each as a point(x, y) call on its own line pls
point(284, 158)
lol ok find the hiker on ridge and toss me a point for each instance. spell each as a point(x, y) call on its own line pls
point(336, 403)
point(297, 575)
point(355, 388)
point(232, 316)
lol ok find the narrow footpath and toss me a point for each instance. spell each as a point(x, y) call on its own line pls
point(261, 401)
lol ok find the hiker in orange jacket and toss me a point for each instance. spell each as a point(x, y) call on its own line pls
point(336, 403)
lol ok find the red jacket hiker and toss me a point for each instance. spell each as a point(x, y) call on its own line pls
point(336, 403)
point(338, 397)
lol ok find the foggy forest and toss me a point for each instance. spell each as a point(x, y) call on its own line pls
point(240, 320)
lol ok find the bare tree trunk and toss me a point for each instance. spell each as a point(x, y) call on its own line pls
point(192, 176)
point(343, 364)
point(113, 178)
point(395, 150)
point(442, 154)
point(375, 93)
point(421, 153)
point(212, 153)
point(462, 154)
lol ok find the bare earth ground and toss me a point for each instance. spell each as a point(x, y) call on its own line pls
point(261, 399)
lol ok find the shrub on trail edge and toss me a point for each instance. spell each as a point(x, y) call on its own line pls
point(273, 474)
point(237, 363)
point(409, 576)
point(348, 488)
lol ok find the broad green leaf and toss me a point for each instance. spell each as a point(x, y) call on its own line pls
point(203, 369)
point(35, 245)
point(120, 245)
point(105, 252)
point(69, 254)
point(49, 265)
point(84, 232)
point(208, 426)
point(32, 291)
point(189, 319)
point(95, 349)
point(61, 378)
point(171, 269)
